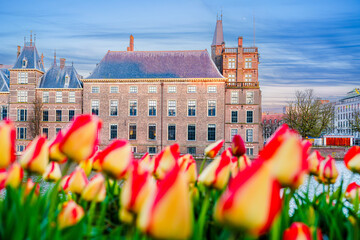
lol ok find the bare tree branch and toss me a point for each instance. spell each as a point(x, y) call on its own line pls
point(35, 119)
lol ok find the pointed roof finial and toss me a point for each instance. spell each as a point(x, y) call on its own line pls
point(55, 57)
point(30, 38)
point(221, 14)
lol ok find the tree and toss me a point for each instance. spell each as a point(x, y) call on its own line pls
point(310, 116)
point(35, 119)
point(354, 122)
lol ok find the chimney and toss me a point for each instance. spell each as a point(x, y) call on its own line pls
point(240, 41)
point(131, 47)
point(62, 63)
point(18, 51)
point(42, 59)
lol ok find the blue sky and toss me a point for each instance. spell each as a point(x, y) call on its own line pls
point(303, 44)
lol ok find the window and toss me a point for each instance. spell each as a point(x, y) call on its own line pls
point(212, 89)
point(58, 115)
point(57, 130)
point(113, 107)
point(211, 132)
point(152, 132)
point(233, 132)
point(113, 131)
point(248, 62)
point(24, 63)
point(114, 89)
point(191, 89)
point(45, 115)
point(191, 150)
point(172, 132)
point(249, 97)
point(231, 63)
point(191, 108)
point(152, 150)
point(191, 132)
point(250, 151)
point(249, 135)
point(71, 115)
point(95, 107)
point(152, 89)
point(58, 97)
point(171, 108)
point(67, 81)
point(248, 77)
point(95, 89)
point(211, 108)
point(133, 149)
point(45, 131)
point(45, 97)
point(132, 132)
point(234, 116)
point(152, 107)
point(234, 97)
point(71, 97)
point(133, 107)
point(4, 112)
point(21, 133)
point(231, 79)
point(249, 116)
point(22, 77)
point(22, 115)
point(20, 148)
point(22, 96)
point(171, 89)
point(133, 89)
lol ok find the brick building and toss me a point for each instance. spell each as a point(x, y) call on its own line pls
point(270, 122)
point(152, 98)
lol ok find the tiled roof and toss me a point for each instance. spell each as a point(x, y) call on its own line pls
point(30, 54)
point(55, 78)
point(155, 64)
point(4, 80)
point(218, 34)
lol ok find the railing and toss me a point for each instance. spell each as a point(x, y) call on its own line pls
point(230, 50)
point(250, 49)
point(242, 84)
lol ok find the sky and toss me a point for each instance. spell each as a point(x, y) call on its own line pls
point(302, 44)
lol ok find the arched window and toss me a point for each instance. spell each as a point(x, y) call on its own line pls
point(24, 63)
point(67, 81)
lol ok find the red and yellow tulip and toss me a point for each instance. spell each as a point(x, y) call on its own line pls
point(77, 181)
point(314, 161)
point(352, 159)
point(95, 190)
point(328, 171)
point(14, 175)
point(87, 166)
point(239, 164)
point(145, 163)
point(30, 185)
point(70, 214)
point(52, 172)
point(116, 159)
point(96, 164)
point(188, 165)
point(251, 201)
point(167, 213)
point(7, 143)
point(213, 149)
point(238, 146)
point(3, 176)
point(36, 156)
point(165, 160)
point(352, 190)
point(297, 231)
point(287, 156)
point(81, 139)
point(54, 152)
point(64, 183)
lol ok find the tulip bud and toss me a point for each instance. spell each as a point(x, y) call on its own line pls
point(77, 181)
point(80, 140)
point(188, 165)
point(7, 143)
point(70, 214)
point(352, 191)
point(328, 171)
point(86, 165)
point(52, 172)
point(64, 183)
point(314, 163)
point(54, 152)
point(237, 146)
point(14, 175)
point(239, 164)
point(251, 201)
point(352, 159)
point(36, 156)
point(95, 190)
point(165, 160)
point(296, 231)
point(212, 150)
point(137, 189)
point(30, 185)
point(116, 158)
point(287, 156)
point(167, 213)
point(3, 176)
point(216, 174)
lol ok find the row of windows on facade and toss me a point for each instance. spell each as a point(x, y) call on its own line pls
point(153, 89)
point(22, 115)
point(22, 78)
point(270, 121)
point(232, 63)
point(232, 78)
point(23, 97)
point(349, 107)
point(345, 116)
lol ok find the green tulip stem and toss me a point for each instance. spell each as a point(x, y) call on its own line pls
point(66, 168)
point(202, 217)
point(202, 165)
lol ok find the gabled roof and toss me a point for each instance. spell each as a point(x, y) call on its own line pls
point(218, 34)
point(55, 78)
point(4, 80)
point(30, 54)
point(155, 64)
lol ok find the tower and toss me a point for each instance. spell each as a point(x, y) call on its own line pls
point(218, 44)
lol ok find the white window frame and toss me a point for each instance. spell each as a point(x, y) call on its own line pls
point(72, 97)
point(236, 132)
point(136, 107)
point(114, 89)
point(67, 81)
point(212, 89)
point(171, 89)
point(232, 63)
point(252, 116)
point(152, 89)
point(23, 78)
point(248, 62)
point(45, 97)
point(207, 132)
point(208, 105)
point(148, 128)
point(187, 132)
point(191, 89)
point(188, 105)
point(234, 97)
point(172, 106)
point(95, 89)
point(133, 89)
point(94, 105)
point(111, 105)
point(151, 104)
point(248, 77)
point(171, 124)
point(117, 130)
point(22, 96)
point(58, 97)
point(246, 135)
point(250, 99)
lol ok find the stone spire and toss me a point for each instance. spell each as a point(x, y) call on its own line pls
point(218, 34)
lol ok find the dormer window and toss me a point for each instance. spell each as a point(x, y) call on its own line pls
point(24, 63)
point(67, 81)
